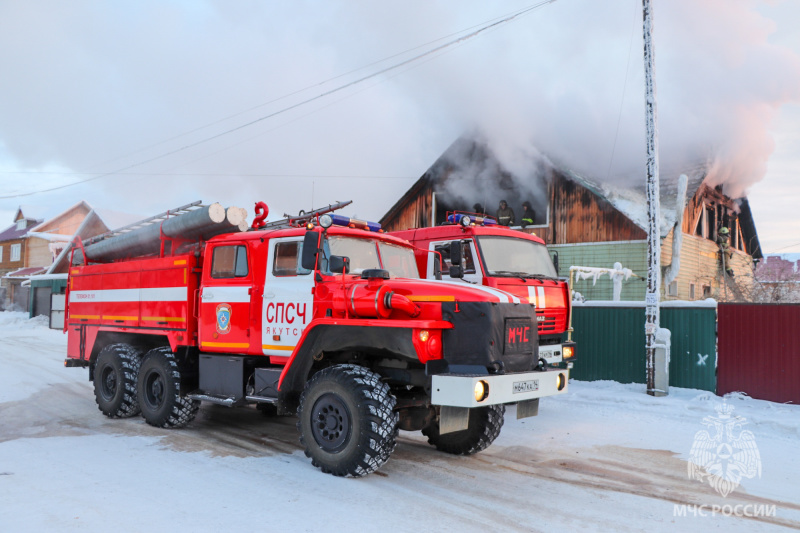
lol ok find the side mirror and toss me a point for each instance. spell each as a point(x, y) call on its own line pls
point(339, 263)
point(456, 272)
point(555, 260)
point(310, 243)
point(455, 253)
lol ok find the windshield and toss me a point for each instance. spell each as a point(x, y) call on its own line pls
point(398, 260)
point(363, 254)
point(507, 256)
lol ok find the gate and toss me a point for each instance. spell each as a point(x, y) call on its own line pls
point(759, 350)
point(611, 343)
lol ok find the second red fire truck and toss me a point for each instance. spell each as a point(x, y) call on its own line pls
point(477, 251)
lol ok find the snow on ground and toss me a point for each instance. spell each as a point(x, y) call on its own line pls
point(604, 457)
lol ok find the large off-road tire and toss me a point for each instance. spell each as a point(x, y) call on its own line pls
point(115, 374)
point(484, 428)
point(158, 390)
point(347, 421)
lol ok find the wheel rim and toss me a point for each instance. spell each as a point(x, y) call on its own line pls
point(154, 387)
point(330, 423)
point(108, 383)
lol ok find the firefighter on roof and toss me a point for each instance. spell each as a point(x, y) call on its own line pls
point(505, 215)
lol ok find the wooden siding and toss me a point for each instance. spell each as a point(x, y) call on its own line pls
point(37, 253)
point(413, 212)
point(700, 267)
point(67, 223)
point(578, 215)
point(7, 264)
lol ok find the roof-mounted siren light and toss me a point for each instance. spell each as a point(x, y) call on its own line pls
point(340, 220)
point(467, 220)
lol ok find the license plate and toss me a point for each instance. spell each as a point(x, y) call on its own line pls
point(518, 336)
point(526, 386)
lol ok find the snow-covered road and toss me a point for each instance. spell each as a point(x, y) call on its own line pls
point(604, 457)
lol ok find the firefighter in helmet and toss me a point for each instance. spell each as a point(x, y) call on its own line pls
point(723, 237)
point(505, 215)
point(528, 214)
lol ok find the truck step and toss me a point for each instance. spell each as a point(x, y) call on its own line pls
point(227, 401)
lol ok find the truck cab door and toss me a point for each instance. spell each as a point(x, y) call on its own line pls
point(288, 304)
point(224, 318)
point(469, 261)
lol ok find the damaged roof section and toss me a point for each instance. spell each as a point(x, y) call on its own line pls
point(470, 173)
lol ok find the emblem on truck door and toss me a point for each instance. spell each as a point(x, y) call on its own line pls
point(223, 319)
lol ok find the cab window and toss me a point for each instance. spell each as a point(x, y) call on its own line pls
point(287, 259)
point(467, 259)
point(229, 262)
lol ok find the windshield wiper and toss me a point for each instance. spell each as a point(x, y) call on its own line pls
point(542, 276)
point(508, 274)
point(521, 275)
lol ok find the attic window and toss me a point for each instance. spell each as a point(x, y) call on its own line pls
point(21, 224)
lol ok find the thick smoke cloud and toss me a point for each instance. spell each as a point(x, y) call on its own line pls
point(86, 82)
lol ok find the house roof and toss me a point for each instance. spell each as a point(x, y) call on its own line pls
point(32, 212)
point(631, 201)
point(24, 273)
point(43, 225)
point(11, 232)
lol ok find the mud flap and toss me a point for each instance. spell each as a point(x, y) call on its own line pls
point(528, 408)
point(453, 419)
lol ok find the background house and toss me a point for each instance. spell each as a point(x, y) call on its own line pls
point(41, 269)
point(14, 257)
point(588, 223)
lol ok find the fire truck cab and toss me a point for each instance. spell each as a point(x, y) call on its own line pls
point(475, 250)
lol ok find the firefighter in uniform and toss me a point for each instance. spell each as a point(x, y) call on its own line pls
point(505, 215)
point(528, 214)
point(726, 254)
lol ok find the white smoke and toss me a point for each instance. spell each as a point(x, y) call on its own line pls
point(84, 84)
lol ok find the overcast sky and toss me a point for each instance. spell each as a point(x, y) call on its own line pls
point(189, 99)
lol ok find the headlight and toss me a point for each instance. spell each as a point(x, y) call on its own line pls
point(568, 351)
point(481, 391)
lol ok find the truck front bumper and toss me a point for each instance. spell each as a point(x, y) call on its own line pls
point(554, 354)
point(459, 390)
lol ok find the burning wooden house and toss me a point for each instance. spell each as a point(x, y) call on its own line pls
point(588, 223)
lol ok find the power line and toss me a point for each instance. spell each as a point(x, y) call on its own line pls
point(624, 88)
point(395, 66)
point(298, 91)
point(785, 247)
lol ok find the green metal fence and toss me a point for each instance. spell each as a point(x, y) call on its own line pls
point(611, 344)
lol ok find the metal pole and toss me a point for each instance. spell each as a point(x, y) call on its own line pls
point(653, 209)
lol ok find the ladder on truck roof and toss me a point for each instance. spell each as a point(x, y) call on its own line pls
point(303, 217)
point(155, 219)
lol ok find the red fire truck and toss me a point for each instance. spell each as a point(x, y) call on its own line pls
point(327, 320)
point(475, 250)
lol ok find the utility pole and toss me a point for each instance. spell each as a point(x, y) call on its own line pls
point(652, 297)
